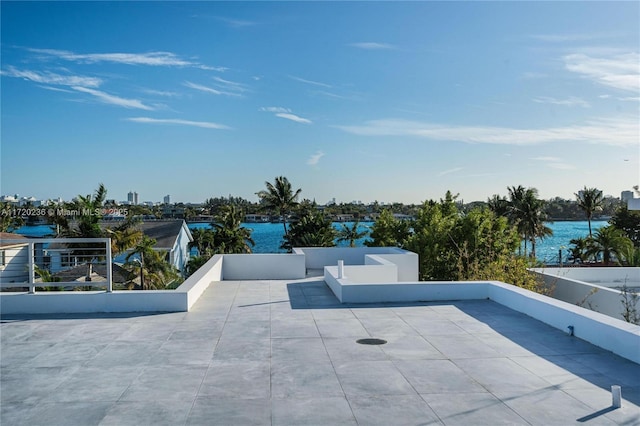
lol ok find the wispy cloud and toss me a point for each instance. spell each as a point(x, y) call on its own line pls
point(163, 93)
point(372, 45)
point(450, 171)
point(274, 109)
point(315, 158)
point(164, 59)
point(285, 113)
point(45, 77)
point(114, 100)
point(231, 85)
point(315, 83)
point(572, 101)
point(555, 163)
point(208, 89)
point(293, 117)
point(620, 71)
point(202, 124)
point(619, 131)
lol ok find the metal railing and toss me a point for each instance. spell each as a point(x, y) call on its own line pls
point(58, 263)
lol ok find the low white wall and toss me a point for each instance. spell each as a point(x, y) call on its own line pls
point(371, 273)
point(618, 336)
point(407, 264)
point(319, 257)
point(412, 292)
point(569, 288)
point(200, 280)
point(237, 267)
point(68, 302)
point(605, 276)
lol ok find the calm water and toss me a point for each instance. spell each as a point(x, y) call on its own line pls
point(268, 236)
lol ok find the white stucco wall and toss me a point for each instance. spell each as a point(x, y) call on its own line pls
point(263, 266)
point(570, 285)
point(319, 257)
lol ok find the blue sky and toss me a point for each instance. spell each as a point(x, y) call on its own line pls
point(387, 101)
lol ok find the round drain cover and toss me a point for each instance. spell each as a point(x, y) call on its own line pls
point(371, 341)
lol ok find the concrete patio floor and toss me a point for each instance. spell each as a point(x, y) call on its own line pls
point(285, 353)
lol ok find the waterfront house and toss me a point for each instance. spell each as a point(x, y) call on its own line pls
point(172, 237)
point(13, 257)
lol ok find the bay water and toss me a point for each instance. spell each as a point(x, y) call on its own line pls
point(268, 236)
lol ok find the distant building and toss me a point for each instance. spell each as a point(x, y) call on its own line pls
point(132, 198)
point(167, 199)
point(625, 196)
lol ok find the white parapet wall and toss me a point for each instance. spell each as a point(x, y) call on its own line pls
point(319, 257)
point(263, 267)
point(591, 287)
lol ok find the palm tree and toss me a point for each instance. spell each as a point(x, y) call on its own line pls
point(611, 243)
point(590, 200)
point(204, 241)
point(229, 235)
point(124, 236)
point(351, 234)
point(312, 230)
point(526, 213)
point(144, 250)
point(579, 249)
point(280, 198)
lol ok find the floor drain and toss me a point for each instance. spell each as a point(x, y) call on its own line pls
point(371, 341)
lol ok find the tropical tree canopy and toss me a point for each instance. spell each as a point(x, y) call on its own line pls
point(611, 244)
point(229, 235)
point(156, 272)
point(590, 200)
point(279, 198)
point(351, 233)
point(388, 231)
point(312, 229)
point(526, 212)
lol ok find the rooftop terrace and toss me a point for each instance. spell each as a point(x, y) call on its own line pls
point(284, 352)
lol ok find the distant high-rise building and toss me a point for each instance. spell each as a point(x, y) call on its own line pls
point(626, 196)
point(132, 198)
point(167, 199)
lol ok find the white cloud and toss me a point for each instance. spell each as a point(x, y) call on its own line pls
point(45, 77)
point(275, 109)
point(166, 59)
point(372, 46)
point(315, 83)
point(555, 163)
point(570, 101)
point(315, 158)
point(208, 89)
point(448, 172)
point(293, 117)
point(551, 159)
point(114, 100)
point(202, 124)
point(163, 93)
point(231, 85)
point(621, 71)
point(620, 131)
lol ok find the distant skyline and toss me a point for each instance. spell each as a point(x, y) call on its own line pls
point(387, 101)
